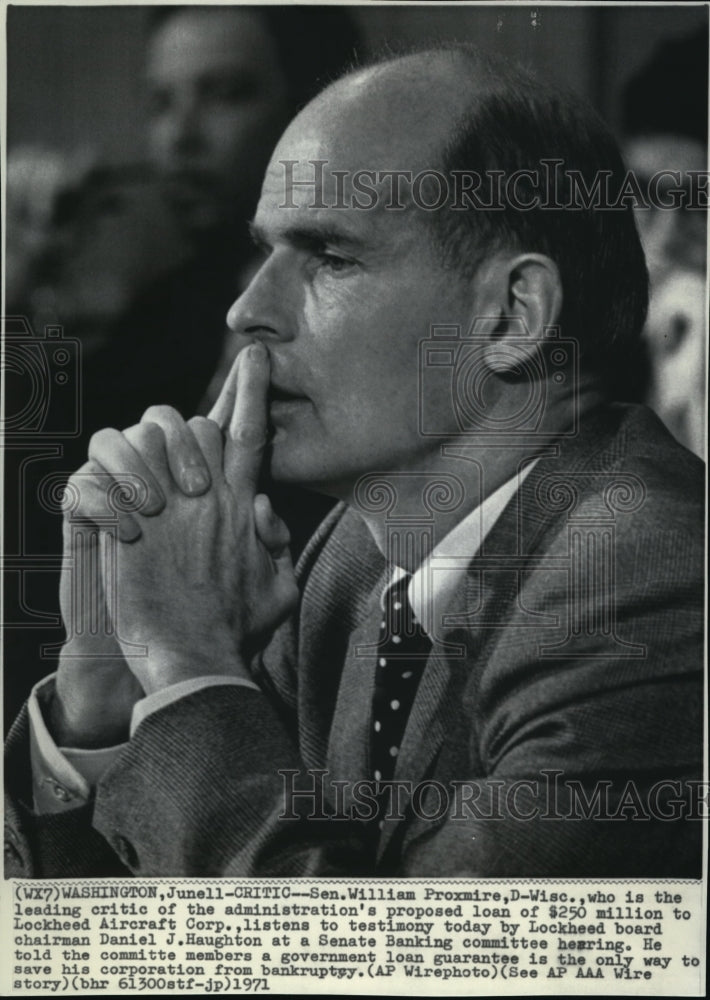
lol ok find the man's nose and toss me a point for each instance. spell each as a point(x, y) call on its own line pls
point(183, 126)
point(264, 310)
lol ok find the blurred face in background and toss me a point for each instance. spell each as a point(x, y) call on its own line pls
point(671, 238)
point(674, 241)
point(218, 103)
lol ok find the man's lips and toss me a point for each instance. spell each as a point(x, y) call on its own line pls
point(279, 395)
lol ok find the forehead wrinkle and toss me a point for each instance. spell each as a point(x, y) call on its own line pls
point(326, 205)
point(345, 216)
point(318, 231)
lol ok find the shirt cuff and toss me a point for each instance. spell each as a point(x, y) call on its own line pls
point(63, 778)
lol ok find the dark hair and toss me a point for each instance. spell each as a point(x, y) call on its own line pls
point(514, 122)
point(314, 45)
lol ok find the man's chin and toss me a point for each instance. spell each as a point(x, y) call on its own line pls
point(288, 473)
point(281, 465)
point(290, 466)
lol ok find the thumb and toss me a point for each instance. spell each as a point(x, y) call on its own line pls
point(274, 536)
point(270, 529)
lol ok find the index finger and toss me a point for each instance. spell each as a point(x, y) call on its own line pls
point(247, 433)
point(223, 408)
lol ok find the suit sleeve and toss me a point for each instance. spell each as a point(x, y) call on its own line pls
point(217, 769)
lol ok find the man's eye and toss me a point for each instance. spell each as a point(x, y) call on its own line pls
point(230, 88)
point(332, 262)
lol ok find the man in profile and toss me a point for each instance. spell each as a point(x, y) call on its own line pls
point(492, 663)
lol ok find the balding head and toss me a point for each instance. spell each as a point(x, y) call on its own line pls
point(466, 124)
point(395, 114)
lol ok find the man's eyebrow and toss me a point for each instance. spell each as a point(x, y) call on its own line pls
point(313, 235)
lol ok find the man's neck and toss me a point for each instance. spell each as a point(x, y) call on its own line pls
point(410, 511)
point(422, 507)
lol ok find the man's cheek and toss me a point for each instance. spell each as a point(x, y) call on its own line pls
point(333, 302)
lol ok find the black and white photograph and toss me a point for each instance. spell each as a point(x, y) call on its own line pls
point(354, 429)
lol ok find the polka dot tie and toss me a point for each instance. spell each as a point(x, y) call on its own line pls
point(401, 657)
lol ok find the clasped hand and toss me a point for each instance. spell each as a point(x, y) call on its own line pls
point(195, 582)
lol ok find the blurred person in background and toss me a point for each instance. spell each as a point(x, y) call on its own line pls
point(140, 263)
point(665, 112)
point(223, 83)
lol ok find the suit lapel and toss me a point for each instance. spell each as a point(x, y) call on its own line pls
point(341, 611)
point(349, 743)
point(337, 605)
point(475, 611)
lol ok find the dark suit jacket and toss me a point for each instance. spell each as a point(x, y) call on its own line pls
point(559, 717)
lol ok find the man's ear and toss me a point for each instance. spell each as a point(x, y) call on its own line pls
point(521, 297)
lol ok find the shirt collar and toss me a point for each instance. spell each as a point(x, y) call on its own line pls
point(433, 584)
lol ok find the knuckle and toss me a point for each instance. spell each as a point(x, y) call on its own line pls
point(163, 415)
point(102, 439)
point(205, 431)
point(74, 492)
point(145, 435)
point(83, 493)
point(89, 468)
point(249, 434)
point(203, 425)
